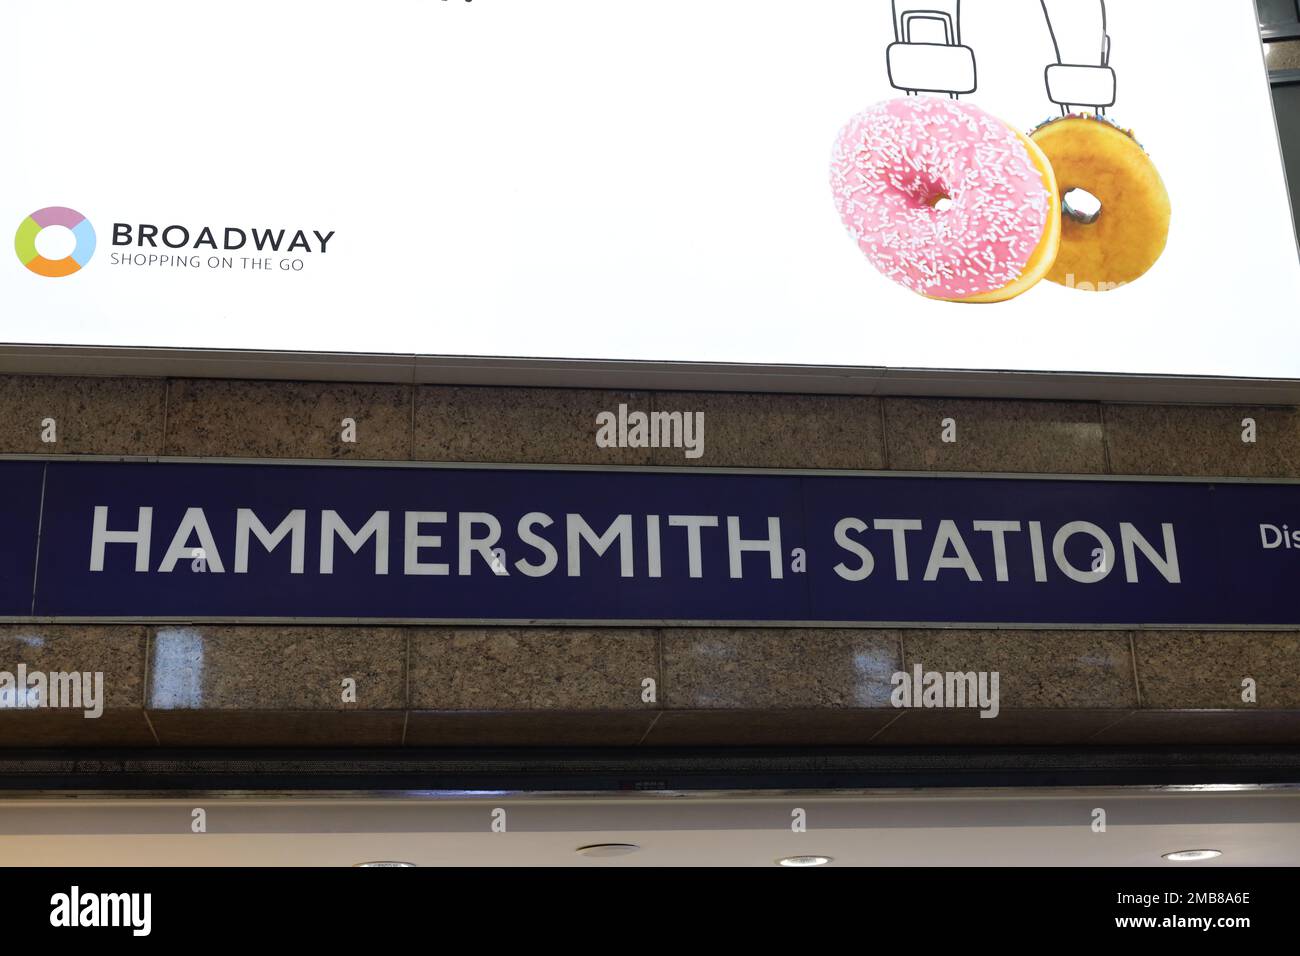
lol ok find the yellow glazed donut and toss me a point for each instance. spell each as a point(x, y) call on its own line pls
point(1129, 234)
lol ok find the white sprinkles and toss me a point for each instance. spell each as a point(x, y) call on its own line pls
point(892, 162)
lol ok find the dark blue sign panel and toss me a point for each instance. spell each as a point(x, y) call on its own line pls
point(20, 513)
point(184, 540)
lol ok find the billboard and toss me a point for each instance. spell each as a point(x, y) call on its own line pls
point(1089, 185)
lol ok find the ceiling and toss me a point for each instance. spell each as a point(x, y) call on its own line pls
point(1252, 826)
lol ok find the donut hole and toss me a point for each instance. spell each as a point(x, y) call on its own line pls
point(941, 202)
point(1081, 206)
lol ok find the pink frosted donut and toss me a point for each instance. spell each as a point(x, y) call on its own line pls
point(894, 165)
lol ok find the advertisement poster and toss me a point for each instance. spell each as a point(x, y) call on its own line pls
point(1081, 185)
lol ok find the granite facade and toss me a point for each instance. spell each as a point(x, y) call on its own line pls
point(192, 685)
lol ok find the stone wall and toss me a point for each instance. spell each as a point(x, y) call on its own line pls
point(207, 685)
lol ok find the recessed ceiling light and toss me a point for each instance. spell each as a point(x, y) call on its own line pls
point(602, 850)
point(804, 860)
point(384, 863)
point(1191, 856)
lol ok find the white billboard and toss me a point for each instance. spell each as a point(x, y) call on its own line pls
point(838, 182)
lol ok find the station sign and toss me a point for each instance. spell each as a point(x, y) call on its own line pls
point(232, 541)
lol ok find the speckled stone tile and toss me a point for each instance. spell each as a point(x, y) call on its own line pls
point(235, 667)
point(995, 436)
point(231, 728)
point(115, 651)
point(1202, 440)
point(241, 419)
point(1202, 728)
point(1036, 669)
point(118, 651)
point(778, 668)
point(93, 416)
point(1283, 55)
point(1023, 728)
point(744, 430)
point(511, 669)
point(768, 728)
point(1183, 670)
point(519, 425)
point(535, 729)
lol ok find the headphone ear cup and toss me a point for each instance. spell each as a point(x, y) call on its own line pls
point(1117, 209)
point(947, 200)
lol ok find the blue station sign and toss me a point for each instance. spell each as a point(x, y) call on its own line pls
point(194, 541)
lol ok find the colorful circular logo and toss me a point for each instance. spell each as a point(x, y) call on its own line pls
point(30, 228)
